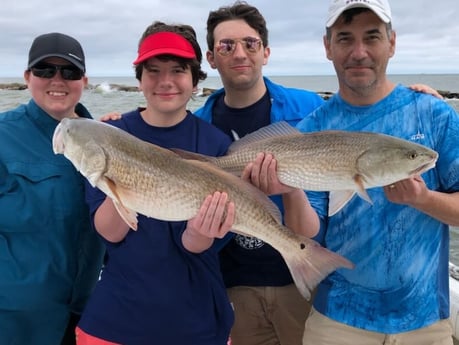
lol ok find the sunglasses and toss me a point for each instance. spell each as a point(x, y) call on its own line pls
point(227, 46)
point(68, 72)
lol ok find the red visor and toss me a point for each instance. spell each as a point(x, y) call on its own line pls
point(165, 43)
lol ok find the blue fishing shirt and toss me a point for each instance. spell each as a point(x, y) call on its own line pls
point(50, 257)
point(152, 290)
point(400, 280)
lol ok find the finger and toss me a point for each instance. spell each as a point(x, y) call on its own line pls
point(256, 167)
point(218, 215)
point(418, 178)
point(228, 221)
point(264, 172)
point(247, 172)
point(200, 217)
point(389, 189)
point(272, 173)
point(209, 214)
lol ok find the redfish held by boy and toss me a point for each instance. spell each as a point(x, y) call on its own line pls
point(342, 162)
point(144, 178)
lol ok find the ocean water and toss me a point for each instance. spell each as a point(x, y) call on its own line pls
point(100, 99)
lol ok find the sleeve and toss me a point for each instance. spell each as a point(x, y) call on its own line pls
point(94, 198)
point(319, 202)
point(219, 243)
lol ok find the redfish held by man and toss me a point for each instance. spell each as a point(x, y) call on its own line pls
point(341, 162)
point(144, 178)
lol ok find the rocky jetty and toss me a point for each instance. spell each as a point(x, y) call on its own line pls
point(13, 86)
point(204, 92)
point(327, 94)
point(448, 94)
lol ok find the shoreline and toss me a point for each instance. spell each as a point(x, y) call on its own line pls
point(204, 92)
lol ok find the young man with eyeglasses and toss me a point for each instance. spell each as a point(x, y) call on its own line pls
point(50, 258)
point(268, 307)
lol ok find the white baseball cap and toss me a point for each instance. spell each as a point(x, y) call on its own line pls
point(380, 7)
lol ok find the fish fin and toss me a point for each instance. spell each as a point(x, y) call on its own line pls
point(364, 195)
point(281, 128)
point(337, 200)
point(235, 135)
point(361, 189)
point(129, 216)
point(311, 263)
point(94, 162)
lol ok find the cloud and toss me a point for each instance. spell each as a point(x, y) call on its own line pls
point(109, 31)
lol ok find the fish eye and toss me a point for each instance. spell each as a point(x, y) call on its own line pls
point(413, 155)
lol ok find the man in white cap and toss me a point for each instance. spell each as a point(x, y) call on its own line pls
point(398, 291)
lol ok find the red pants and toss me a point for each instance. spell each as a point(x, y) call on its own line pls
point(84, 338)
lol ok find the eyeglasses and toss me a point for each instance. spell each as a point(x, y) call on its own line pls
point(48, 71)
point(227, 46)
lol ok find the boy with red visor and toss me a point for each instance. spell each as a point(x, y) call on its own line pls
point(162, 284)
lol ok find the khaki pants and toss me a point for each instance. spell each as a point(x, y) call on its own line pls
point(321, 330)
point(268, 315)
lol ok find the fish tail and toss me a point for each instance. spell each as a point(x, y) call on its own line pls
point(311, 263)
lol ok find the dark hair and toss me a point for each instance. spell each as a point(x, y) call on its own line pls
point(349, 15)
point(239, 10)
point(190, 35)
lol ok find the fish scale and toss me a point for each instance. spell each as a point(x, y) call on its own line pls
point(144, 178)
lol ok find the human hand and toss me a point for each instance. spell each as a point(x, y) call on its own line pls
point(215, 217)
point(110, 116)
point(425, 89)
point(262, 173)
point(408, 192)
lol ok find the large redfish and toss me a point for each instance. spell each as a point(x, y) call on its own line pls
point(341, 162)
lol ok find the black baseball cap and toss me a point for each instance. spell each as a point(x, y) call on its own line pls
point(58, 45)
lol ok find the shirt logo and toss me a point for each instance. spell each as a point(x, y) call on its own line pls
point(417, 137)
point(248, 242)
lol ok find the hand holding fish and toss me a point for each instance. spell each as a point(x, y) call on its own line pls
point(409, 191)
point(262, 173)
point(414, 192)
point(299, 215)
point(214, 219)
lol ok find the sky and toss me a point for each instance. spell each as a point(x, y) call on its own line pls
point(109, 30)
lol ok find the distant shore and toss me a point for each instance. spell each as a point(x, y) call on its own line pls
point(204, 92)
